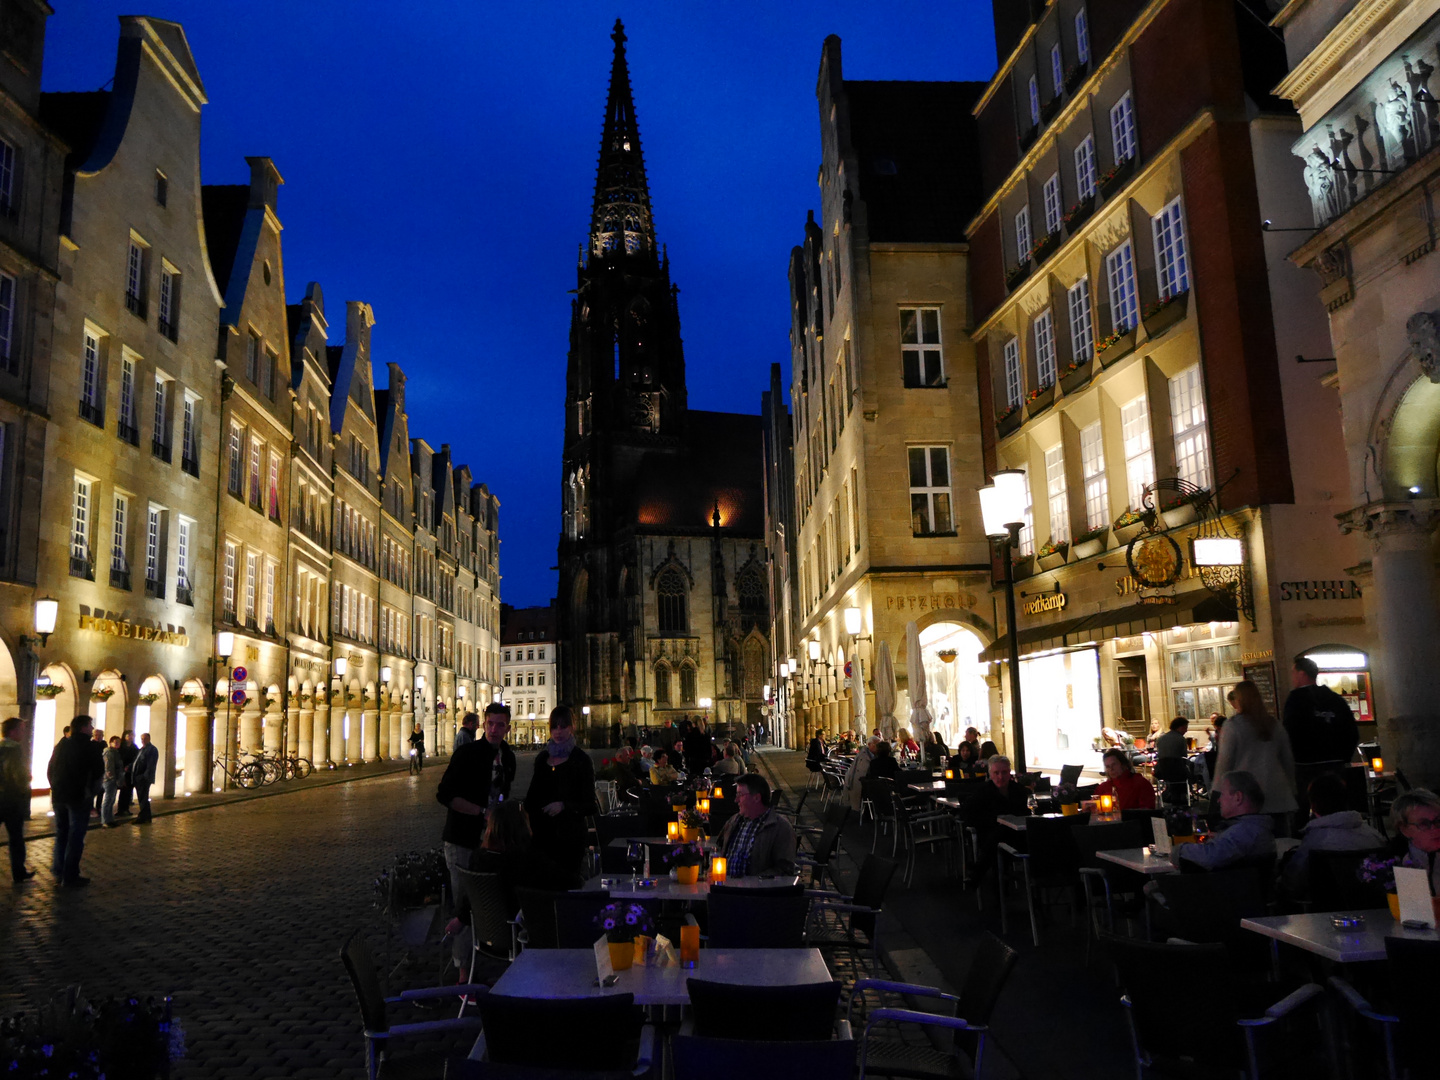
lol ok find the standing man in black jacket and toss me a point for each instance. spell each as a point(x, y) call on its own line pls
point(1322, 729)
point(478, 775)
point(75, 771)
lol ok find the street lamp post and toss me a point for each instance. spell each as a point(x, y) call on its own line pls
point(1002, 507)
point(27, 665)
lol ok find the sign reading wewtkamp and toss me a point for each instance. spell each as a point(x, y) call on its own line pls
point(1055, 601)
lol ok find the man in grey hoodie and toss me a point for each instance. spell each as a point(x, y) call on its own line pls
point(1332, 827)
point(1251, 835)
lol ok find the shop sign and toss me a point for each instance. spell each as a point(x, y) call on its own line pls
point(1127, 585)
point(124, 628)
point(931, 602)
point(1054, 601)
point(1257, 655)
point(1319, 590)
point(1155, 561)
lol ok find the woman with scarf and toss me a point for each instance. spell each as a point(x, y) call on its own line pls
point(561, 795)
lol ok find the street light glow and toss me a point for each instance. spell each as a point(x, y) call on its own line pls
point(814, 647)
point(1002, 502)
point(47, 609)
point(224, 644)
point(854, 621)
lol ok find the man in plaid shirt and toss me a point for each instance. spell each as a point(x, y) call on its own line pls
point(757, 840)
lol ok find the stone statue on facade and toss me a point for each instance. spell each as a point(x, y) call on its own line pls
point(1424, 333)
point(1320, 179)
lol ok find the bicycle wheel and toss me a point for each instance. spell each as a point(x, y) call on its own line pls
point(249, 775)
point(301, 767)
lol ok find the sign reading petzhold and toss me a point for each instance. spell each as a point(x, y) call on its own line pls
point(124, 628)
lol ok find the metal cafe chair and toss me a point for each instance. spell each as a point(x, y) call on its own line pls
point(857, 913)
point(1051, 861)
point(757, 918)
point(698, 1058)
point(1406, 1028)
point(572, 1037)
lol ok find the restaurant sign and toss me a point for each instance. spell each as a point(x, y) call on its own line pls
point(1054, 601)
point(125, 628)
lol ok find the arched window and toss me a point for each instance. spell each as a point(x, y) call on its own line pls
point(754, 606)
point(670, 592)
point(687, 684)
point(662, 685)
point(754, 669)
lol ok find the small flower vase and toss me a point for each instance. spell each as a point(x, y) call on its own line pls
point(689, 835)
point(622, 955)
point(687, 875)
point(1393, 899)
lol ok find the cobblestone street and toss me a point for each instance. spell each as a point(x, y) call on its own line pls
point(238, 911)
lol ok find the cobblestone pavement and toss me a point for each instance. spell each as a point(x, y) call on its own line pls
point(238, 911)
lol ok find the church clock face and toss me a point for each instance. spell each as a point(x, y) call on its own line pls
point(642, 410)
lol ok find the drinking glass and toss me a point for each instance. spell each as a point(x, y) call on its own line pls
point(635, 856)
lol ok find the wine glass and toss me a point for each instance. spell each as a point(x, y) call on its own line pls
point(1030, 803)
point(635, 856)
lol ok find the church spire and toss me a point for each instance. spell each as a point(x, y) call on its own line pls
point(620, 219)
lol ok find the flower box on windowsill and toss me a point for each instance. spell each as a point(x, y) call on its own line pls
point(1040, 400)
point(1114, 347)
point(1045, 247)
point(1016, 276)
point(1078, 377)
point(1008, 421)
point(1078, 214)
point(1050, 557)
point(1088, 544)
point(1075, 76)
point(1049, 109)
point(1128, 526)
point(1165, 313)
point(1024, 565)
point(1113, 179)
point(1183, 512)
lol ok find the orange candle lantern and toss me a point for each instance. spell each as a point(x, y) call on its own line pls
point(703, 805)
point(1107, 803)
point(672, 830)
point(949, 774)
point(1377, 764)
point(717, 870)
point(689, 945)
point(717, 794)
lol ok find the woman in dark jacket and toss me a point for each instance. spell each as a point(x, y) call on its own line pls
point(562, 794)
point(884, 766)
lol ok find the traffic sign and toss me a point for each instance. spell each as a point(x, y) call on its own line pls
point(240, 674)
point(848, 672)
point(237, 697)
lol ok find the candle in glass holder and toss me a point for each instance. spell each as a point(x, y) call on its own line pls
point(672, 830)
point(1107, 803)
point(717, 870)
point(1377, 764)
point(717, 794)
point(703, 805)
point(689, 945)
point(949, 774)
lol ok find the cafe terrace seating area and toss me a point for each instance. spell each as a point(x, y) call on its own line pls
point(912, 941)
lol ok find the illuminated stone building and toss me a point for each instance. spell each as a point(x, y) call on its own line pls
point(396, 555)
point(663, 604)
point(1362, 76)
point(527, 670)
point(1136, 335)
point(887, 447)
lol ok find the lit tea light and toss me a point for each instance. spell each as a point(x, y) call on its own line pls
point(717, 870)
point(1107, 803)
point(1377, 764)
point(703, 805)
point(949, 774)
point(672, 830)
point(717, 794)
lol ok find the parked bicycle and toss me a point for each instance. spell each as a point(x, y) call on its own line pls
point(244, 774)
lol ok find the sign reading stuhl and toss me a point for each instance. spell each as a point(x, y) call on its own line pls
point(1055, 601)
point(125, 628)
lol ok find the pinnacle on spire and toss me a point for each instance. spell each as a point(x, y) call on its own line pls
point(620, 220)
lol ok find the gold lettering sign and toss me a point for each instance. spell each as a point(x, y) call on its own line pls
point(1258, 654)
point(1048, 602)
point(934, 602)
point(125, 629)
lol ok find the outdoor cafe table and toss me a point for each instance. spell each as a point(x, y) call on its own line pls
point(620, 888)
point(570, 973)
point(1315, 933)
point(1138, 860)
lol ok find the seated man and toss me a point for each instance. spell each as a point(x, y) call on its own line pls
point(756, 840)
point(1174, 742)
point(1131, 790)
point(1332, 827)
point(1250, 837)
point(1001, 795)
point(662, 773)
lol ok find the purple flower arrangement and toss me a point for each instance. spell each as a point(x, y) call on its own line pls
point(622, 921)
point(1381, 871)
point(690, 854)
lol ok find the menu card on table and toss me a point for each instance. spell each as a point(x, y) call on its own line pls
point(1413, 887)
point(1161, 833)
point(604, 972)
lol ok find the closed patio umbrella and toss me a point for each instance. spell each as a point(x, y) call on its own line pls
point(920, 720)
point(857, 691)
point(885, 692)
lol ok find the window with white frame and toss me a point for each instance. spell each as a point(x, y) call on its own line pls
point(7, 319)
point(1027, 530)
point(92, 393)
point(1092, 472)
point(1085, 168)
point(80, 521)
point(1122, 128)
point(1013, 388)
point(1172, 267)
point(7, 178)
point(228, 590)
point(119, 525)
point(930, 490)
point(1034, 100)
point(272, 488)
point(135, 279)
point(182, 554)
point(269, 624)
point(1022, 235)
point(255, 494)
point(1058, 494)
point(128, 427)
point(252, 574)
point(1044, 349)
point(154, 572)
point(188, 449)
point(1057, 70)
point(169, 313)
point(161, 435)
point(1082, 37)
point(1124, 302)
point(1082, 329)
point(1053, 209)
point(1139, 454)
point(1187, 421)
point(920, 351)
point(252, 358)
point(235, 481)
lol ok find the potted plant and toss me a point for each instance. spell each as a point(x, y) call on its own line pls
point(1016, 276)
point(1118, 343)
point(102, 693)
point(1381, 872)
point(1053, 553)
point(148, 699)
point(686, 859)
point(1113, 178)
point(49, 691)
point(1128, 525)
point(1076, 374)
point(1008, 419)
point(1078, 214)
point(126, 1038)
point(1165, 313)
point(1179, 508)
point(691, 825)
point(1089, 543)
point(1024, 565)
point(1039, 399)
point(1044, 246)
point(622, 922)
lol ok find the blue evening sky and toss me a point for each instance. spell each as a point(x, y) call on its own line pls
point(439, 161)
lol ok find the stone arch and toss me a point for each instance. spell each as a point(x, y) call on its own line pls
point(152, 716)
point(672, 602)
point(689, 689)
point(1406, 439)
point(111, 714)
point(664, 687)
point(52, 716)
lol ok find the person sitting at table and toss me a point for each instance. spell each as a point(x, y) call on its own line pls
point(935, 750)
point(1174, 742)
point(859, 769)
point(816, 752)
point(756, 840)
point(884, 766)
point(642, 763)
point(730, 764)
point(909, 748)
point(1332, 827)
point(987, 750)
point(1250, 837)
point(972, 736)
point(662, 772)
point(1130, 790)
point(1417, 818)
point(1001, 795)
point(966, 763)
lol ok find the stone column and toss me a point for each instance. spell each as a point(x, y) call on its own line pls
point(293, 729)
point(1402, 601)
point(354, 709)
point(407, 725)
point(273, 719)
point(370, 746)
point(337, 727)
point(398, 747)
point(305, 735)
point(320, 736)
point(250, 725)
point(197, 749)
